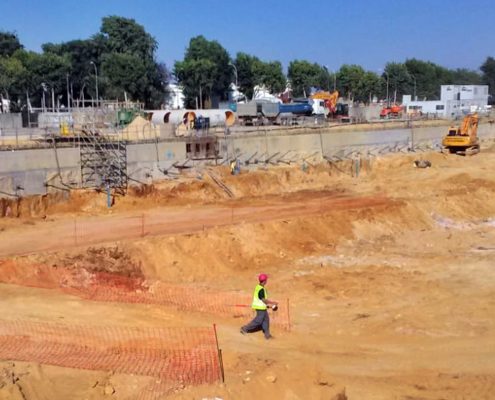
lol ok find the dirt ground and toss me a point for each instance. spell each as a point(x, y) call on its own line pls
point(390, 277)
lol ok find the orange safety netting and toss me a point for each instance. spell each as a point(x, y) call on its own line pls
point(103, 286)
point(177, 356)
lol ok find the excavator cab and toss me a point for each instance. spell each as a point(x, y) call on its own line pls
point(453, 131)
point(463, 140)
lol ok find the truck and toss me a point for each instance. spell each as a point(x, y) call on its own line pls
point(257, 112)
point(302, 108)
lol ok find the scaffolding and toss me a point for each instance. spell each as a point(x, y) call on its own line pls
point(103, 161)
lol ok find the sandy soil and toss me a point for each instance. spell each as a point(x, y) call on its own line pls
point(390, 279)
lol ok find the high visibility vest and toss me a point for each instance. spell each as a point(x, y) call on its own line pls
point(257, 303)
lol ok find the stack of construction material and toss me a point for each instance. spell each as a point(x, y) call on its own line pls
point(140, 129)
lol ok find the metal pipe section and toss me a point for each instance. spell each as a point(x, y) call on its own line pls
point(176, 117)
point(217, 117)
point(184, 120)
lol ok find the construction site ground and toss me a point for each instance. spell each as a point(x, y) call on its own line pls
point(389, 275)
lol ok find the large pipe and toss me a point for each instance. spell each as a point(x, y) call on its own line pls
point(176, 117)
point(217, 117)
point(186, 117)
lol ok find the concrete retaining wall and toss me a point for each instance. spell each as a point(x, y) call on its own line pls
point(40, 171)
point(150, 162)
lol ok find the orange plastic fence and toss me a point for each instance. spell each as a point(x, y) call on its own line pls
point(88, 231)
point(176, 356)
point(105, 287)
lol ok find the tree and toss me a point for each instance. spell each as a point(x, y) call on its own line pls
point(125, 35)
point(357, 84)
point(11, 72)
point(463, 76)
point(488, 77)
point(51, 70)
point(430, 76)
point(197, 78)
point(303, 76)
point(270, 75)
point(369, 86)
point(80, 53)
point(399, 80)
point(123, 72)
point(251, 72)
point(119, 41)
point(28, 81)
point(9, 43)
point(34, 74)
point(158, 78)
point(246, 79)
point(324, 80)
point(205, 72)
point(349, 79)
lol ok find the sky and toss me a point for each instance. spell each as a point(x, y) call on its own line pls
point(452, 33)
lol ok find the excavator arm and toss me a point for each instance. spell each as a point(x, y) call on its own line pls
point(330, 99)
point(470, 126)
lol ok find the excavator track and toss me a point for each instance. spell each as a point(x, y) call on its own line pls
point(468, 151)
point(472, 151)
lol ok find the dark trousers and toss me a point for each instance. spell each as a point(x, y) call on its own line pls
point(260, 323)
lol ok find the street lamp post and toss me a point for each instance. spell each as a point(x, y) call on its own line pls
point(235, 72)
point(236, 77)
point(96, 79)
point(68, 94)
point(388, 101)
point(412, 76)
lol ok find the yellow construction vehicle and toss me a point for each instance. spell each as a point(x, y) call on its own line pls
point(463, 140)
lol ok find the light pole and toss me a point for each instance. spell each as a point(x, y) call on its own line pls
point(235, 72)
point(43, 101)
point(386, 73)
point(68, 95)
point(96, 79)
point(236, 88)
point(412, 76)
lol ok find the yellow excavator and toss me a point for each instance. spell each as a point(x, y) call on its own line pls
point(463, 140)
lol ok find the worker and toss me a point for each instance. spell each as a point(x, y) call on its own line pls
point(260, 304)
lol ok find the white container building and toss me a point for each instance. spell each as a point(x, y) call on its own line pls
point(454, 100)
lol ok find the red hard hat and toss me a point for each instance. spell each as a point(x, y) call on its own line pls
point(262, 277)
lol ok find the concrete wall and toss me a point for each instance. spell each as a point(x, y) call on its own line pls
point(362, 113)
point(274, 144)
point(40, 171)
point(10, 121)
point(152, 161)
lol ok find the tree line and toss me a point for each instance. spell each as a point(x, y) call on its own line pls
point(122, 56)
